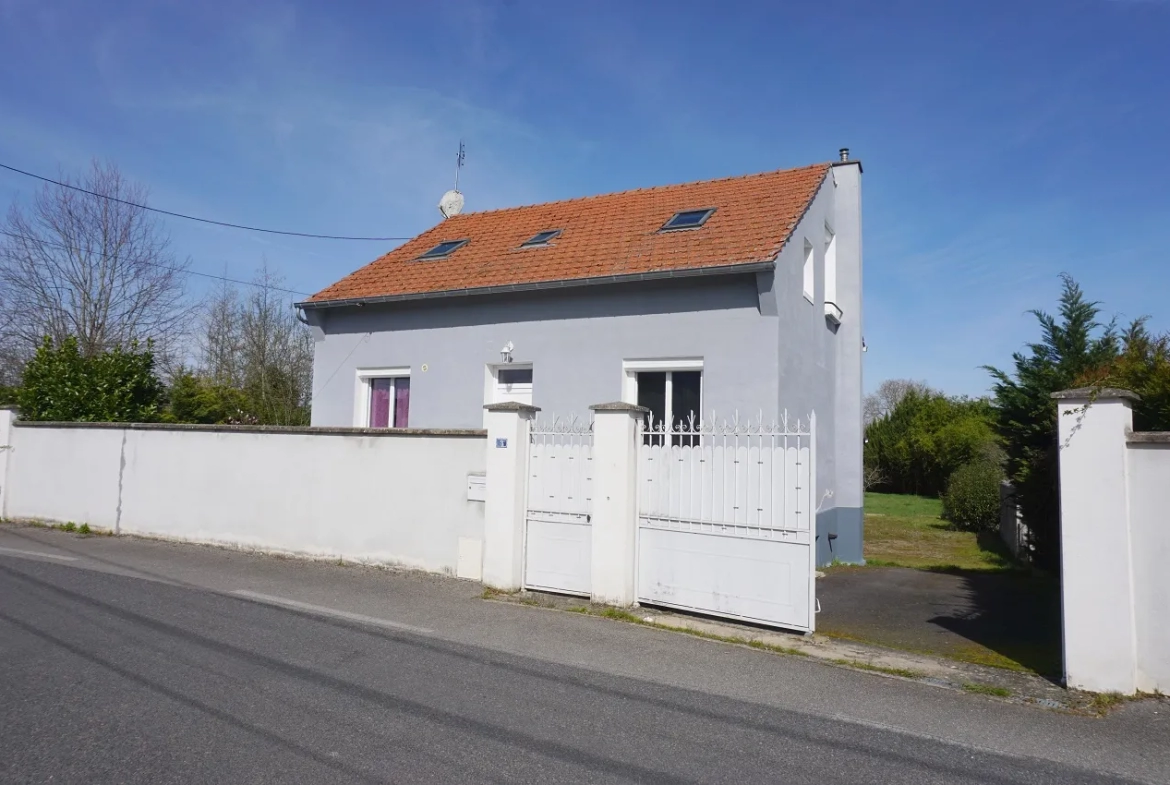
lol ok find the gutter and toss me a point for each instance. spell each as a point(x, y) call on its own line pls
point(658, 275)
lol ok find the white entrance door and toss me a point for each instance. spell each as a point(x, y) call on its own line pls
point(514, 384)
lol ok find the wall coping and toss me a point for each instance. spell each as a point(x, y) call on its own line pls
point(1147, 437)
point(274, 429)
point(512, 406)
point(1096, 393)
point(619, 406)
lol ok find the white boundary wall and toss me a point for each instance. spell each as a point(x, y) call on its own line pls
point(442, 501)
point(1115, 545)
point(390, 497)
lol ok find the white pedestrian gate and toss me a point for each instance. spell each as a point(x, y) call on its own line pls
point(557, 532)
point(726, 519)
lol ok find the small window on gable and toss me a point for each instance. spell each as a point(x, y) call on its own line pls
point(443, 250)
point(687, 219)
point(830, 265)
point(810, 272)
point(543, 238)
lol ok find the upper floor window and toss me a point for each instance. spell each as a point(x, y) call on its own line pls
point(688, 219)
point(444, 249)
point(830, 266)
point(541, 238)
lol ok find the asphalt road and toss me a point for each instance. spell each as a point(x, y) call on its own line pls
point(132, 662)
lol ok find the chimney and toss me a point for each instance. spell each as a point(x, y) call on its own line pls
point(844, 151)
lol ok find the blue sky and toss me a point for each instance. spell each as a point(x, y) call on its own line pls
point(1003, 142)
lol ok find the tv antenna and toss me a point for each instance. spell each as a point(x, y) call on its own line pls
point(452, 202)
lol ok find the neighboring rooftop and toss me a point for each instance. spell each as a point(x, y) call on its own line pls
point(603, 236)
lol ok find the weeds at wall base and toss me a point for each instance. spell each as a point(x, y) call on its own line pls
point(84, 529)
point(904, 673)
point(986, 689)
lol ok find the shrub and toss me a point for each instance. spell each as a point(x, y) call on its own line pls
point(194, 399)
point(924, 438)
point(62, 384)
point(1074, 350)
point(971, 502)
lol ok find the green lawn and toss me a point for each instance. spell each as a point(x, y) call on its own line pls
point(908, 531)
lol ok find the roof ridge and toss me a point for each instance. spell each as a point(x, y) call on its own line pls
point(645, 189)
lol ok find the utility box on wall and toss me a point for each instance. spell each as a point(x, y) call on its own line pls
point(476, 487)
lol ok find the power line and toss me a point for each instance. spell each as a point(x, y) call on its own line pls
point(195, 218)
point(163, 266)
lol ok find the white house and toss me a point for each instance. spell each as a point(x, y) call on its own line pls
point(740, 294)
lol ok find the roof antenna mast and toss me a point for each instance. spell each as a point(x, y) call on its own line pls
point(452, 202)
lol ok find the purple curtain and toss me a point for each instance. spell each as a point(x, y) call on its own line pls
point(401, 401)
point(380, 403)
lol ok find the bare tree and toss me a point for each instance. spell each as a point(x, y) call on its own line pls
point(75, 264)
point(219, 344)
point(889, 393)
point(11, 353)
point(254, 343)
point(872, 477)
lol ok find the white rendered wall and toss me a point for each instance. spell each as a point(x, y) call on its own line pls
point(393, 498)
point(1149, 515)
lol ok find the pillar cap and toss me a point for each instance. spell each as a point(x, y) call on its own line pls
point(512, 406)
point(1096, 394)
point(619, 406)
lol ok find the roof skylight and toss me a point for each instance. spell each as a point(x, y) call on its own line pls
point(687, 219)
point(443, 250)
point(541, 238)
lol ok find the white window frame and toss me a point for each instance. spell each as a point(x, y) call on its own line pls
point(361, 394)
point(631, 369)
point(809, 272)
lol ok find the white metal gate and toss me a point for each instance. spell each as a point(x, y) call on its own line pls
point(557, 533)
point(726, 519)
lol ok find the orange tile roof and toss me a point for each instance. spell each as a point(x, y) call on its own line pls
point(608, 235)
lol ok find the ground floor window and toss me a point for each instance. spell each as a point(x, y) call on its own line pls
point(389, 402)
point(674, 398)
point(383, 398)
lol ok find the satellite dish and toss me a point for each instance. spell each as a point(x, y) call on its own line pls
point(451, 204)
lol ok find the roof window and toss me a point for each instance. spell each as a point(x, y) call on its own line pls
point(687, 219)
point(443, 250)
point(542, 238)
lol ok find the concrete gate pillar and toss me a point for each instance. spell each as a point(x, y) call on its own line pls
point(508, 427)
point(615, 502)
